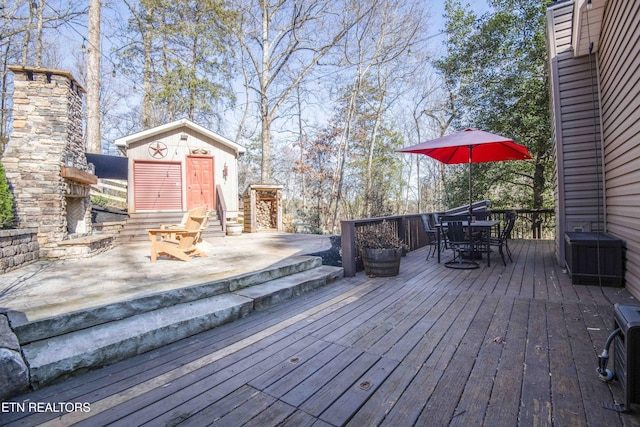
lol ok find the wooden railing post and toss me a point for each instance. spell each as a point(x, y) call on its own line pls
point(348, 248)
point(402, 230)
point(221, 207)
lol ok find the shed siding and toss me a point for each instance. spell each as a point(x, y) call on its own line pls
point(578, 195)
point(620, 77)
point(183, 142)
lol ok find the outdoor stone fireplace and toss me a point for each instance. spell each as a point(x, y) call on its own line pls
point(263, 208)
point(45, 162)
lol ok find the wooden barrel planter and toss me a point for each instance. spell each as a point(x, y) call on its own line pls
point(381, 262)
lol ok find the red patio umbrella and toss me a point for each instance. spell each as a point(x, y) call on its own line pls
point(470, 146)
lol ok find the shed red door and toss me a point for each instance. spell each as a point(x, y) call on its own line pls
point(200, 185)
point(157, 186)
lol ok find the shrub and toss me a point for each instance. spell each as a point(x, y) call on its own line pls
point(379, 236)
point(6, 201)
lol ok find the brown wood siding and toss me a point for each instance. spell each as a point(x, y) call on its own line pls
point(620, 77)
point(558, 44)
point(157, 186)
point(578, 192)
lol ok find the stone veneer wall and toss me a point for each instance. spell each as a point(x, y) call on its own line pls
point(18, 248)
point(47, 124)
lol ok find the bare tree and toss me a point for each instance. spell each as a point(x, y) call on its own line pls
point(93, 78)
point(24, 25)
point(393, 29)
point(283, 41)
point(40, 24)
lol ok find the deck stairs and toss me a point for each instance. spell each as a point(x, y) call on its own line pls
point(58, 347)
point(137, 224)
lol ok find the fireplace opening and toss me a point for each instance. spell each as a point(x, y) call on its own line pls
point(76, 217)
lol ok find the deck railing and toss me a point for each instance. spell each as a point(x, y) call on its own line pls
point(530, 224)
point(113, 190)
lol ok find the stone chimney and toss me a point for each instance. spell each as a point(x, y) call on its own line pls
point(45, 160)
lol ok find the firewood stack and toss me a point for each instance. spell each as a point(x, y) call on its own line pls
point(266, 214)
point(262, 204)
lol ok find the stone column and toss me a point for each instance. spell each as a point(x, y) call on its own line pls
point(47, 134)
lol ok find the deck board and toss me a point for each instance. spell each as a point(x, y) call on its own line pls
point(536, 396)
point(503, 408)
point(568, 408)
point(473, 402)
point(495, 346)
point(440, 408)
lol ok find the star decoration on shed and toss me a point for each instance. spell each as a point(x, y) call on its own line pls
point(158, 150)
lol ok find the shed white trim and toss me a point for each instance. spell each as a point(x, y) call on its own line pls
point(125, 141)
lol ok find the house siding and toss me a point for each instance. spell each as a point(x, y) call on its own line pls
point(576, 131)
point(619, 65)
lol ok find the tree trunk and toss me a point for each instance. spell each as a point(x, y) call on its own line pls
point(93, 78)
point(301, 138)
point(538, 202)
point(372, 145)
point(191, 110)
point(265, 76)
point(27, 32)
point(265, 175)
point(146, 74)
point(3, 100)
point(39, 34)
point(343, 159)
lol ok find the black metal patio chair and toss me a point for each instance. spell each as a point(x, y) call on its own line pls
point(502, 241)
point(461, 244)
point(431, 235)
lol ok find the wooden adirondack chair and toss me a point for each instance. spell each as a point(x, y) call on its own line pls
point(179, 242)
point(172, 237)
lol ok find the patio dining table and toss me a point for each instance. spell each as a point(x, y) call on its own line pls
point(484, 226)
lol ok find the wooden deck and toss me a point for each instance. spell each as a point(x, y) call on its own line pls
point(431, 347)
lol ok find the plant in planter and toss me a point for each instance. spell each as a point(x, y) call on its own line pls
point(381, 250)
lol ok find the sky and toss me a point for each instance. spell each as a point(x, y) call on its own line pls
point(72, 38)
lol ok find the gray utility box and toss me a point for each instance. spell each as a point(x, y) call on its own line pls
point(594, 258)
point(626, 347)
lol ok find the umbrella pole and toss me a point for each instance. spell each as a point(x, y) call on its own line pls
point(470, 190)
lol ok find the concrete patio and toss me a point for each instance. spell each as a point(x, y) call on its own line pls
point(49, 288)
point(61, 317)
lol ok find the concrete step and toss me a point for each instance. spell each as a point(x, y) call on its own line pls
point(276, 291)
point(29, 331)
point(56, 348)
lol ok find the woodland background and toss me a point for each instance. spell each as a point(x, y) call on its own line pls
point(321, 92)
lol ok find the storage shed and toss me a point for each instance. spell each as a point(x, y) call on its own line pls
point(181, 165)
